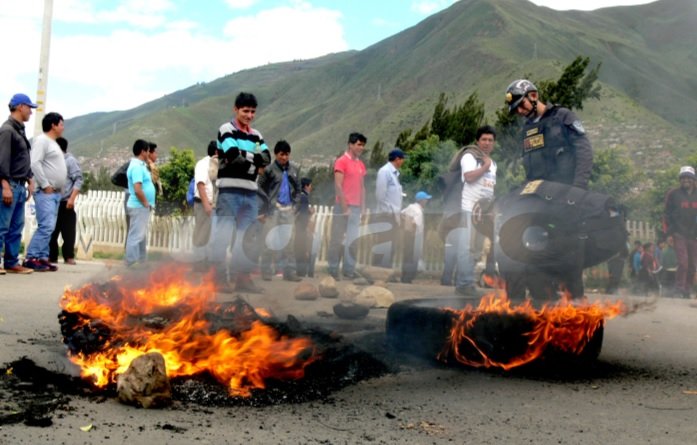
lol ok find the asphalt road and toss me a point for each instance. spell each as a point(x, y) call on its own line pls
point(643, 389)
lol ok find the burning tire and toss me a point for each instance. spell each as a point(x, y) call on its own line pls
point(440, 329)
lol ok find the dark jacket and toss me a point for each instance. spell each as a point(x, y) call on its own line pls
point(270, 181)
point(681, 213)
point(15, 160)
point(556, 148)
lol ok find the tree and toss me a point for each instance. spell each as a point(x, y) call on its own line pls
point(377, 155)
point(175, 176)
point(426, 161)
point(99, 181)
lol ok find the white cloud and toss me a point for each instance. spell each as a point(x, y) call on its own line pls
point(285, 33)
point(240, 4)
point(428, 7)
point(143, 56)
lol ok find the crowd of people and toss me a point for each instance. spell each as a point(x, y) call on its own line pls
point(252, 210)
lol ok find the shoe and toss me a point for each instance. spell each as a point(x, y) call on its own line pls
point(351, 276)
point(266, 276)
point(247, 285)
point(35, 265)
point(467, 291)
point(2, 272)
point(18, 269)
point(292, 277)
point(70, 261)
point(51, 267)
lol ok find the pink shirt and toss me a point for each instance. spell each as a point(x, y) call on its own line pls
point(353, 171)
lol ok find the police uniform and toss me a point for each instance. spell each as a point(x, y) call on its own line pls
point(555, 148)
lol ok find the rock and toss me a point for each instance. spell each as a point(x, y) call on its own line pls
point(327, 288)
point(306, 291)
point(378, 296)
point(373, 274)
point(361, 281)
point(145, 382)
point(350, 293)
point(351, 311)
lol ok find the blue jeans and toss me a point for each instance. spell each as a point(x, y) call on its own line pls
point(465, 255)
point(234, 213)
point(12, 223)
point(277, 242)
point(46, 214)
point(137, 239)
point(345, 229)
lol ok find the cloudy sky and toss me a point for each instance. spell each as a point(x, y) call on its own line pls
point(115, 54)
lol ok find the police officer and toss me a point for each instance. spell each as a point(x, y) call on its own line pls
point(555, 146)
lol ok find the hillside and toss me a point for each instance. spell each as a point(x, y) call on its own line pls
point(648, 74)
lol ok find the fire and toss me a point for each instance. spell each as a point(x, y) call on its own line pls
point(242, 360)
point(524, 331)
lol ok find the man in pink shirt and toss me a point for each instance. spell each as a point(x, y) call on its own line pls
point(349, 172)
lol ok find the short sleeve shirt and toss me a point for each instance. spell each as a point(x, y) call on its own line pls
point(354, 171)
point(138, 172)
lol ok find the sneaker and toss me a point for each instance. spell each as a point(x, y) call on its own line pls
point(35, 265)
point(292, 277)
point(467, 291)
point(2, 272)
point(51, 267)
point(18, 269)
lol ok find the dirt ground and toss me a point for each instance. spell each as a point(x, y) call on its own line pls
point(643, 388)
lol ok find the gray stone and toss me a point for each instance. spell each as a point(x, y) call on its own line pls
point(306, 291)
point(327, 288)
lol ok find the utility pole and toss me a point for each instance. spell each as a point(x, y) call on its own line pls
point(43, 67)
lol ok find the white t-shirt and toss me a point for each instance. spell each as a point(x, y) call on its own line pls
point(201, 175)
point(479, 189)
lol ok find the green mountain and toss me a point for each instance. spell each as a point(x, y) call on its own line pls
point(648, 77)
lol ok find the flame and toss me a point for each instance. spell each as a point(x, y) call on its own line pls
point(242, 361)
point(566, 326)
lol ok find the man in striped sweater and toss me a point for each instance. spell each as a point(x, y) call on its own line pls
point(242, 153)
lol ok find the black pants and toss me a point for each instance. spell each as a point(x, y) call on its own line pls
point(65, 226)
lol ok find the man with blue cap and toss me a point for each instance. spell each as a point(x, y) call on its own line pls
point(388, 195)
point(413, 246)
point(16, 179)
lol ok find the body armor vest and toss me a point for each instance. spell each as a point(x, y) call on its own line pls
point(547, 153)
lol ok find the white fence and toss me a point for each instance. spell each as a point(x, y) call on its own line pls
point(102, 227)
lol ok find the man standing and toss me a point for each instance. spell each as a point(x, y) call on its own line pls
point(241, 153)
point(50, 174)
point(140, 202)
point(555, 146)
point(67, 218)
point(203, 204)
point(16, 179)
point(281, 185)
point(681, 224)
point(388, 193)
point(479, 180)
point(349, 173)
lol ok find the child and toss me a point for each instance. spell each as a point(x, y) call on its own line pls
point(304, 231)
point(413, 236)
point(649, 269)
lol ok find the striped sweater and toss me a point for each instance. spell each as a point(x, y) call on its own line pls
point(240, 155)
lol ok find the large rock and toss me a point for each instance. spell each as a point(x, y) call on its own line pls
point(350, 292)
point(306, 291)
point(373, 274)
point(145, 382)
point(327, 288)
point(375, 296)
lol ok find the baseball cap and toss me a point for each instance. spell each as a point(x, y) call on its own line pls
point(687, 171)
point(396, 153)
point(422, 195)
point(21, 99)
